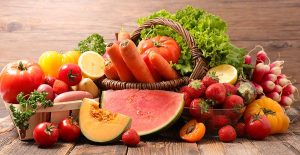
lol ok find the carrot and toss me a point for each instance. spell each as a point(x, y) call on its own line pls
point(124, 73)
point(153, 71)
point(134, 61)
point(110, 71)
point(162, 66)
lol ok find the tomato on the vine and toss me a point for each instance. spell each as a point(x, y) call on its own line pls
point(45, 134)
point(163, 45)
point(70, 73)
point(69, 130)
point(20, 76)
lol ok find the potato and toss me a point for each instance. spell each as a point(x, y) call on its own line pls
point(88, 85)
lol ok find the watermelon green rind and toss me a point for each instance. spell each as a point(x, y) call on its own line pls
point(166, 125)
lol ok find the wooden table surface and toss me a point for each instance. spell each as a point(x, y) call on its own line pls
point(28, 28)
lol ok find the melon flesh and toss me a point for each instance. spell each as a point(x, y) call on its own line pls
point(101, 130)
point(150, 110)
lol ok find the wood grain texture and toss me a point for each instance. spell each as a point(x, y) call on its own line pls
point(28, 28)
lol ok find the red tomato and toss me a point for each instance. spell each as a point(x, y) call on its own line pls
point(20, 76)
point(163, 45)
point(69, 130)
point(45, 134)
point(70, 74)
point(258, 127)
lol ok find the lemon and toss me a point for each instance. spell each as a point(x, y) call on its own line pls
point(226, 73)
point(91, 64)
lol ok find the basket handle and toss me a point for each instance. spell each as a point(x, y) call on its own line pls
point(200, 67)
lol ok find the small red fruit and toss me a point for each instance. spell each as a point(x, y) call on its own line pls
point(227, 134)
point(69, 130)
point(187, 99)
point(210, 79)
point(234, 105)
point(199, 109)
point(195, 88)
point(240, 129)
point(230, 89)
point(216, 92)
point(218, 121)
point(130, 138)
point(50, 80)
point(70, 74)
point(45, 134)
point(60, 87)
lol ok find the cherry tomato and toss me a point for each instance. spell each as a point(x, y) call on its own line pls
point(163, 45)
point(258, 127)
point(69, 130)
point(20, 76)
point(45, 134)
point(70, 73)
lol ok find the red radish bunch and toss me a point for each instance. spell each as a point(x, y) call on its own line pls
point(269, 80)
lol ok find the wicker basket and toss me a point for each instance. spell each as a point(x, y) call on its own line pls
point(200, 66)
point(54, 114)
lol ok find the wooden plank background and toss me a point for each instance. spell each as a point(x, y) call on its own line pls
point(28, 28)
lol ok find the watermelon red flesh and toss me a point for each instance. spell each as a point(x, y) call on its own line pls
point(150, 110)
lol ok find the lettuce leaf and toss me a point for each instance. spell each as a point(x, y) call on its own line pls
point(209, 32)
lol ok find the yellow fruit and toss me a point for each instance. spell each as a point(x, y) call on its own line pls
point(91, 64)
point(100, 125)
point(226, 73)
point(86, 84)
point(74, 55)
point(50, 63)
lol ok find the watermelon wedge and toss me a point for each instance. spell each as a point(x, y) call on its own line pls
point(150, 110)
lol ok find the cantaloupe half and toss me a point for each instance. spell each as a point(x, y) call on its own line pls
point(100, 125)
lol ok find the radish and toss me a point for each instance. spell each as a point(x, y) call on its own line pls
point(275, 96)
point(258, 88)
point(288, 89)
point(268, 86)
point(286, 101)
point(261, 56)
point(283, 82)
point(248, 59)
point(281, 76)
point(292, 97)
point(277, 89)
point(276, 70)
point(270, 77)
point(260, 70)
point(276, 64)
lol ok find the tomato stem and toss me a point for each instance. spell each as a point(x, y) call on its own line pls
point(21, 66)
point(71, 76)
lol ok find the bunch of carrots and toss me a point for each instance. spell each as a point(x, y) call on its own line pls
point(127, 64)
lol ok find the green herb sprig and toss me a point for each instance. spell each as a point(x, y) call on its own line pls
point(28, 107)
point(94, 42)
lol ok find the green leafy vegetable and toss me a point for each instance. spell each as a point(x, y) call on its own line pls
point(28, 107)
point(94, 42)
point(209, 32)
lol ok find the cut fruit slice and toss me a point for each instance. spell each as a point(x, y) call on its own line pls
point(100, 125)
point(91, 64)
point(226, 73)
point(150, 110)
